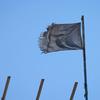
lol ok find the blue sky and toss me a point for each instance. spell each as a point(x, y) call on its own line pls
point(21, 23)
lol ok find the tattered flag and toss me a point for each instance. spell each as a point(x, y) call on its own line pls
point(59, 37)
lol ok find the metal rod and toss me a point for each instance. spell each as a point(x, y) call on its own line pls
point(73, 91)
point(40, 89)
point(84, 61)
point(6, 88)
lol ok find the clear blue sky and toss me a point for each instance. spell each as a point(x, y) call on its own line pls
point(21, 22)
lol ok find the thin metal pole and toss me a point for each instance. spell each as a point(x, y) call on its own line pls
point(84, 61)
point(40, 89)
point(6, 88)
point(73, 91)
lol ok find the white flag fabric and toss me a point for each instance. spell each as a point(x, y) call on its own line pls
point(59, 37)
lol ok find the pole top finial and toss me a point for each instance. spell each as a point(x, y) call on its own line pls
point(82, 18)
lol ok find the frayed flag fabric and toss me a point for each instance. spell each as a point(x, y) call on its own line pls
point(60, 37)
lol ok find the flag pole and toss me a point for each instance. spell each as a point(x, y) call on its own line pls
point(84, 61)
point(6, 87)
point(40, 89)
point(73, 91)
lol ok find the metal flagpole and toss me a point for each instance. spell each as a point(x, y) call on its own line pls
point(73, 91)
point(84, 61)
point(40, 89)
point(6, 87)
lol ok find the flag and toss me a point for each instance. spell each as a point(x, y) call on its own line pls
point(59, 37)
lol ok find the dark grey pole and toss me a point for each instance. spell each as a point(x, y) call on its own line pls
point(73, 91)
point(84, 61)
point(6, 87)
point(40, 89)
